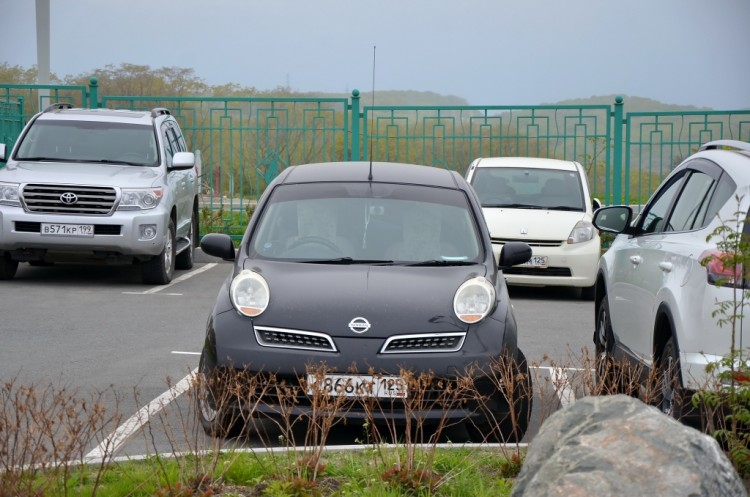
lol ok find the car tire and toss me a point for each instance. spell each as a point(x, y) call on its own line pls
point(160, 269)
point(671, 398)
point(8, 267)
point(496, 423)
point(185, 259)
point(611, 376)
point(217, 417)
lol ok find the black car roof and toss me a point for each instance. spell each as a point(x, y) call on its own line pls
point(388, 172)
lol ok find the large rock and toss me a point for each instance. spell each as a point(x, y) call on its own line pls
point(619, 446)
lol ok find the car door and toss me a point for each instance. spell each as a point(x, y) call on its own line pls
point(177, 180)
point(658, 260)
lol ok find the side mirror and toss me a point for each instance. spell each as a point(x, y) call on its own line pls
point(2, 152)
point(595, 204)
point(218, 245)
point(513, 253)
point(183, 160)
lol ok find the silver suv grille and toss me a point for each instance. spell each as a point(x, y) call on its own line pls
point(427, 342)
point(69, 199)
point(294, 339)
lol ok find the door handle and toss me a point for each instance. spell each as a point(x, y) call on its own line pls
point(635, 259)
point(665, 266)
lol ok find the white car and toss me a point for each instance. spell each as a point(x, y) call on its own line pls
point(656, 295)
point(547, 204)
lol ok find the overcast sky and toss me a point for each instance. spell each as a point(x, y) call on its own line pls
point(489, 52)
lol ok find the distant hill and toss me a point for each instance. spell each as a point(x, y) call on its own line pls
point(632, 104)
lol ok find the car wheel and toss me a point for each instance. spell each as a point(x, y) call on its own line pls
point(671, 398)
point(160, 269)
point(217, 417)
point(499, 422)
point(8, 267)
point(185, 259)
point(611, 376)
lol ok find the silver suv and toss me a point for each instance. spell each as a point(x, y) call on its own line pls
point(99, 186)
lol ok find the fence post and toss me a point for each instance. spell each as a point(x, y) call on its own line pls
point(93, 93)
point(355, 125)
point(617, 153)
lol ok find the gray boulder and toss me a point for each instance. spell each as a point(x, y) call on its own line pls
point(618, 446)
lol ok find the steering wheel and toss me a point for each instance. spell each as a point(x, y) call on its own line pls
point(315, 240)
point(498, 200)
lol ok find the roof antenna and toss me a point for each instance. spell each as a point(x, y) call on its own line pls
point(369, 141)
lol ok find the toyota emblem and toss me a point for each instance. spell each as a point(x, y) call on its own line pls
point(359, 325)
point(69, 198)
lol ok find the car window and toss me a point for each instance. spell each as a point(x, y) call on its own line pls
point(529, 187)
point(692, 203)
point(376, 222)
point(81, 141)
point(653, 216)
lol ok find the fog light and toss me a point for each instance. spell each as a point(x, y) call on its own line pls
point(148, 232)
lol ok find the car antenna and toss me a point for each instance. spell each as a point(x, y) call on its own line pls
point(369, 141)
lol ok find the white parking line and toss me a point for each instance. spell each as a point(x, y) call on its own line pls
point(180, 352)
point(182, 278)
point(117, 439)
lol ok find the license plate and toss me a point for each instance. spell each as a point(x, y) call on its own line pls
point(67, 229)
point(536, 261)
point(358, 385)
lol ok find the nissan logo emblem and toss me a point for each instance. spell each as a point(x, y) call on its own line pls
point(69, 198)
point(359, 325)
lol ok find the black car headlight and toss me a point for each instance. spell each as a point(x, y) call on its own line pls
point(474, 300)
point(249, 293)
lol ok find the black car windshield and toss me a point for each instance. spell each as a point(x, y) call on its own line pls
point(89, 141)
point(366, 223)
point(529, 188)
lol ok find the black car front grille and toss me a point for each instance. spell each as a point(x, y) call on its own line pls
point(432, 342)
point(99, 229)
point(294, 339)
point(69, 199)
point(561, 272)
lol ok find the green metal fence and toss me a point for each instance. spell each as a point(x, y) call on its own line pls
point(244, 143)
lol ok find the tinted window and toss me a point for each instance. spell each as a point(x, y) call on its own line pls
point(367, 221)
point(692, 204)
point(654, 214)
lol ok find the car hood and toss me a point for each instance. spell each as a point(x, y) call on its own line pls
point(393, 299)
point(80, 173)
point(531, 224)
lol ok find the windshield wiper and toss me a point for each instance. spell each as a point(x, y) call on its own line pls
point(348, 260)
point(514, 206)
point(442, 262)
point(563, 208)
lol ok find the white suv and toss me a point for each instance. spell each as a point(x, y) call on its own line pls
point(656, 295)
point(545, 203)
point(99, 186)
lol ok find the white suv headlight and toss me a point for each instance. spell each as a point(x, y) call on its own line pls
point(132, 199)
point(249, 293)
point(9, 194)
point(582, 232)
point(474, 300)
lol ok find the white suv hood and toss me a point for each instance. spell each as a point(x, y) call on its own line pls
point(534, 224)
point(69, 173)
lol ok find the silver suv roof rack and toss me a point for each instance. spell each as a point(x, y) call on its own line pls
point(731, 144)
point(58, 106)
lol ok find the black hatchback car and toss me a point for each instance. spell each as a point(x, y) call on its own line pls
point(350, 279)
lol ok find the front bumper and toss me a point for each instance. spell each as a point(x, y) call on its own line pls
point(568, 265)
point(20, 233)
